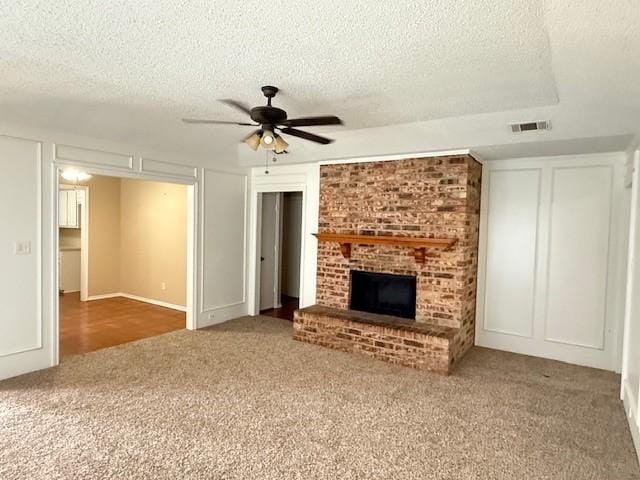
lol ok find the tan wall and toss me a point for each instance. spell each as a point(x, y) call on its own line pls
point(153, 229)
point(104, 235)
point(70, 237)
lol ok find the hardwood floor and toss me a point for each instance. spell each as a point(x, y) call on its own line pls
point(289, 305)
point(89, 326)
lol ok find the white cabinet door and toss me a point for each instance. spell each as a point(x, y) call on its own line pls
point(68, 201)
point(72, 209)
point(547, 278)
point(62, 208)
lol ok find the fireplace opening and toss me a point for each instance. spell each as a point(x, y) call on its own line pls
point(383, 293)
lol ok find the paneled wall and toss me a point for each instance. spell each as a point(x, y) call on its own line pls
point(550, 274)
point(23, 328)
point(223, 260)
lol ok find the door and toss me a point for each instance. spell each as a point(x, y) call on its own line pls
point(269, 250)
point(548, 275)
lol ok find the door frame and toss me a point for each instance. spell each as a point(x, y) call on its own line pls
point(192, 208)
point(257, 245)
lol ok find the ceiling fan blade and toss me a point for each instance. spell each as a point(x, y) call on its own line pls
point(306, 135)
point(312, 121)
point(217, 122)
point(237, 105)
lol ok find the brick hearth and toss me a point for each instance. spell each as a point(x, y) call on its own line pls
point(437, 197)
point(412, 344)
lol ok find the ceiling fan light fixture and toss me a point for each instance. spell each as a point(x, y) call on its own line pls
point(268, 140)
point(253, 140)
point(73, 175)
point(281, 144)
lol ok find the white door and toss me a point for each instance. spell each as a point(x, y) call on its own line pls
point(550, 272)
point(268, 251)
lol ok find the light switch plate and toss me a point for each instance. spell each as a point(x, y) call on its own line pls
point(22, 248)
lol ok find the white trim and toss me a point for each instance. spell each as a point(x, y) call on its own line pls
point(401, 156)
point(159, 303)
point(630, 402)
point(303, 178)
point(277, 261)
point(90, 298)
point(88, 157)
point(192, 255)
point(84, 247)
point(634, 237)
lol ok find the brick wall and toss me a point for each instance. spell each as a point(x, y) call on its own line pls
point(426, 197)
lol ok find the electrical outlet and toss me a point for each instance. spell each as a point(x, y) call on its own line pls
point(163, 286)
point(22, 248)
point(211, 316)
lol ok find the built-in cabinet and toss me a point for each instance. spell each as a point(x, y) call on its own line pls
point(551, 277)
point(69, 204)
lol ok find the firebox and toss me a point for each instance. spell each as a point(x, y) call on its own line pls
point(383, 293)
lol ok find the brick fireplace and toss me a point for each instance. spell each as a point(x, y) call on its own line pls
point(434, 198)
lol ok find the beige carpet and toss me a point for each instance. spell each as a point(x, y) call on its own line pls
point(244, 401)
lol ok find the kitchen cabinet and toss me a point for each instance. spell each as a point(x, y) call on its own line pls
point(69, 202)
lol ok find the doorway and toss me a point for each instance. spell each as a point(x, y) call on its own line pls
point(137, 260)
point(280, 253)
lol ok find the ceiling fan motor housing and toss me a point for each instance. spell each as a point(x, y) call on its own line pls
point(267, 115)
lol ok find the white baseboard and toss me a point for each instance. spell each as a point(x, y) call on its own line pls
point(630, 408)
point(70, 291)
point(140, 299)
point(154, 302)
point(103, 296)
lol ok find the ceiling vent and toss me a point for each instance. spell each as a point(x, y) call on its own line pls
point(530, 126)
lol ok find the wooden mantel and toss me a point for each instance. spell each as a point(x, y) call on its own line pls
point(419, 244)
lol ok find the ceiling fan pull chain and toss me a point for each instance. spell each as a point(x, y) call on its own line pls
point(266, 162)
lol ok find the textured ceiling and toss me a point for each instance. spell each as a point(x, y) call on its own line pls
point(128, 71)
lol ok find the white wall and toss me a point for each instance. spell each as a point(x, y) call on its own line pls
point(28, 288)
point(630, 391)
point(552, 263)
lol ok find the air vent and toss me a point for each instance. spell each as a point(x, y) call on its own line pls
point(530, 126)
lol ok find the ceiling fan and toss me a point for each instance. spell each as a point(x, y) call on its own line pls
point(270, 119)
